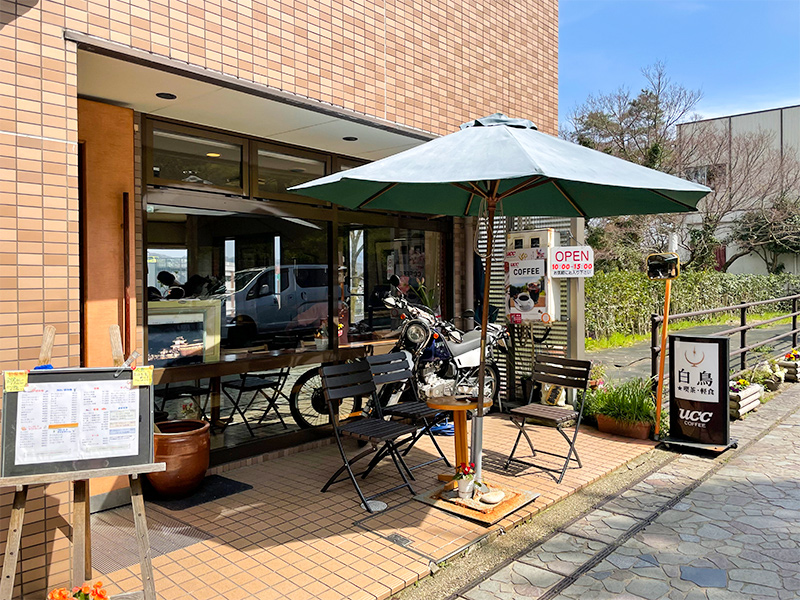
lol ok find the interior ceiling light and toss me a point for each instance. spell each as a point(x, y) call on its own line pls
point(350, 138)
point(166, 96)
point(213, 154)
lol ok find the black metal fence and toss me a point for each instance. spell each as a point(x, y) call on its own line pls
point(787, 305)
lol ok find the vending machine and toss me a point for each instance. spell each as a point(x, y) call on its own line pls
point(530, 294)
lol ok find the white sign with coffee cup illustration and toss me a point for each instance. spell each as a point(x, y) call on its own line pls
point(529, 291)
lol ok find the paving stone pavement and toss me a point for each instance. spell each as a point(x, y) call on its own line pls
point(699, 528)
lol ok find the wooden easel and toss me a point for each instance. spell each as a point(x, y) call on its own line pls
point(81, 523)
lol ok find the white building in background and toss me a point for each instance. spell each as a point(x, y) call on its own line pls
point(783, 125)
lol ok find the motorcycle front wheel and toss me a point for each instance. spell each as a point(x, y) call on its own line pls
point(308, 405)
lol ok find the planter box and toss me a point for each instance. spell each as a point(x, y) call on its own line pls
point(639, 431)
point(792, 368)
point(743, 402)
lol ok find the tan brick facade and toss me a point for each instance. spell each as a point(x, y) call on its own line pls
point(428, 65)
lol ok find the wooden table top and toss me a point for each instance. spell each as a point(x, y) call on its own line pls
point(457, 403)
point(245, 362)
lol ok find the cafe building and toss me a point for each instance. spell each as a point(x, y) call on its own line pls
point(146, 150)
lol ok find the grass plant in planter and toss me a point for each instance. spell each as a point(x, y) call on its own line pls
point(625, 409)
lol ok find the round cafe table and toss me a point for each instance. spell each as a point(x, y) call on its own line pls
point(459, 406)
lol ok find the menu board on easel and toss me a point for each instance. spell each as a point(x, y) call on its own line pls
point(64, 420)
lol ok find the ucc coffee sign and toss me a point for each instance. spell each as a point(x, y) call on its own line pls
point(699, 406)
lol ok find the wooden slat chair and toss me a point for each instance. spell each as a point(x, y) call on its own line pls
point(354, 380)
point(564, 372)
point(394, 368)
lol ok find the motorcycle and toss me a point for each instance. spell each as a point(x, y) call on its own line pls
point(445, 361)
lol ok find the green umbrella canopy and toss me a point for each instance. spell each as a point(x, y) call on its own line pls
point(542, 175)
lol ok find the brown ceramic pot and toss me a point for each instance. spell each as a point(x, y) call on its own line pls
point(185, 446)
point(639, 431)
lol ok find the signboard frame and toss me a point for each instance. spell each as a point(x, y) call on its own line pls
point(8, 468)
point(709, 420)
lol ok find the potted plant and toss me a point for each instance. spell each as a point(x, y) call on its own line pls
point(744, 396)
point(597, 375)
point(465, 476)
point(625, 409)
point(84, 592)
point(185, 446)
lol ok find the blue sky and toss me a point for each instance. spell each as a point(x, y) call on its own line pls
point(743, 54)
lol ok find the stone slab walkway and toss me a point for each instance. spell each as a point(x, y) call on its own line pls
point(699, 528)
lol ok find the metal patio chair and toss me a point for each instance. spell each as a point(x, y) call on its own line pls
point(268, 384)
point(556, 371)
point(394, 368)
point(355, 380)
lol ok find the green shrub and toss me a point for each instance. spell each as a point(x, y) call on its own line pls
point(630, 401)
point(623, 301)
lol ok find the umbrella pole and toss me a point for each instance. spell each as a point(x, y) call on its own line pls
point(477, 423)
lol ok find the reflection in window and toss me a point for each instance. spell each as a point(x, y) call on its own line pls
point(267, 277)
point(195, 160)
point(370, 256)
point(278, 171)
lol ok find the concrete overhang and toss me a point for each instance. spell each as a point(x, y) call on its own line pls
point(124, 76)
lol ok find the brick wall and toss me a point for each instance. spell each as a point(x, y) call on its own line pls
point(429, 65)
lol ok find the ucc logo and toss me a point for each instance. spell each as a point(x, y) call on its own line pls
point(695, 415)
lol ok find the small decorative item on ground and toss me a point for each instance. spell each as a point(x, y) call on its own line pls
point(597, 375)
point(465, 476)
point(95, 592)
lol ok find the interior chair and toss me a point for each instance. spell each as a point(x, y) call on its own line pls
point(268, 384)
point(354, 380)
point(195, 392)
point(394, 369)
point(556, 371)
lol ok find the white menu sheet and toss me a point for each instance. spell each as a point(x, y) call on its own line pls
point(59, 422)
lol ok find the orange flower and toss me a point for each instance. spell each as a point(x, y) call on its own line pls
point(58, 594)
point(98, 585)
point(86, 590)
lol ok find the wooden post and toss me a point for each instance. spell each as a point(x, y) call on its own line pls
point(81, 536)
point(142, 538)
point(12, 544)
point(663, 356)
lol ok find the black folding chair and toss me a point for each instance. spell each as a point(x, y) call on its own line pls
point(268, 384)
point(565, 373)
point(353, 380)
point(394, 369)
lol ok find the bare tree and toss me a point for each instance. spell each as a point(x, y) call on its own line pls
point(746, 173)
point(640, 128)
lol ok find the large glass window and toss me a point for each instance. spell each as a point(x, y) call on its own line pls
point(197, 161)
point(370, 256)
point(266, 275)
point(278, 171)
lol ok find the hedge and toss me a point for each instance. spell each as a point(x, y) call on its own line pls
point(622, 301)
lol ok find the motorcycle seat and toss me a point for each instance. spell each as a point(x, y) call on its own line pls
point(469, 342)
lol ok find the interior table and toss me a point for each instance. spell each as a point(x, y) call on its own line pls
point(459, 406)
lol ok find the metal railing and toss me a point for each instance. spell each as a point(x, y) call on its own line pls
point(742, 329)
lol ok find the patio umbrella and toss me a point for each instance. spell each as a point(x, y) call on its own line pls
point(500, 161)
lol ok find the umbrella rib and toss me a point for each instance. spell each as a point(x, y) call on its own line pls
point(470, 187)
point(469, 204)
point(689, 206)
point(376, 195)
point(526, 185)
point(570, 200)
